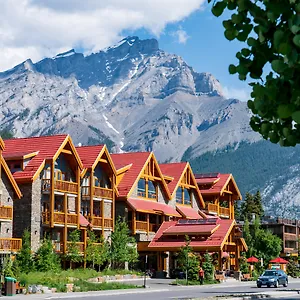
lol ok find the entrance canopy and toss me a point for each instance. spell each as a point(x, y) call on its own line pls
point(152, 207)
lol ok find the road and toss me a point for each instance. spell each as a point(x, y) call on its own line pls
point(161, 290)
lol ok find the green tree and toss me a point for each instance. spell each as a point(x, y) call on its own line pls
point(251, 206)
point(45, 258)
point(208, 267)
point(123, 246)
point(8, 267)
point(24, 257)
point(73, 250)
point(259, 210)
point(188, 260)
point(97, 251)
point(6, 134)
point(261, 243)
point(270, 33)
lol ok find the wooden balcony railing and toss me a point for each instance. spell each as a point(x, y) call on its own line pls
point(6, 212)
point(141, 225)
point(59, 246)
point(212, 208)
point(79, 244)
point(224, 211)
point(59, 218)
point(60, 185)
point(108, 223)
point(103, 192)
point(12, 245)
point(97, 221)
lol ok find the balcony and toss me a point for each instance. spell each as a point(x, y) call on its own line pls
point(60, 186)
point(97, 222)
point(6, 213)
point(144, 226)
point(59, 218)
point(290, 236)
point(224, 212)
point(99, 192)
point(59, 247)
point(10, 245)
point(212, 208)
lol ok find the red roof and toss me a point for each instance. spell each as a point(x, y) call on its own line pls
point(138, 160)
point(215, 188)
point(46, 146)
point(188, 212)
point(152, 207)
point(190, 230)
point(214, 240)
point(174, 170)
point(89, 154)
point(83, 221)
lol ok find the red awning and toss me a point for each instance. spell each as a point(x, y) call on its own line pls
point(279, 260)
point(83, 221)
point(188, 212)
point(252, 259)
point(152, 207)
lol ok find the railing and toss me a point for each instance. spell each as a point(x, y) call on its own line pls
point(6, 212)
point(59, 246)
point(60, 185)
point(103, 192)
point(224, 211)
point(59, 218)
point(97, 221)
point(141, 225)
point(80, 246)
point(212, 208)
point(8, 244)
point(108, 223)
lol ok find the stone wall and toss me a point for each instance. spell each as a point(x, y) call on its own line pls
point(6, 198)
point(107, 209)
point(36, 217)
point(144, 237)
point(161, 195)
point(121, 210)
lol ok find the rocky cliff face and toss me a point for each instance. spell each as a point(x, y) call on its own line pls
point(132, 96)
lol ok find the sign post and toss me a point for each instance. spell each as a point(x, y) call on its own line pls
point(146, 261)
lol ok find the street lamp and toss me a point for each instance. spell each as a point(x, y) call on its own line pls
point(146, 260)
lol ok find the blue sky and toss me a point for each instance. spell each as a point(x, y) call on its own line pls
point(37, 29)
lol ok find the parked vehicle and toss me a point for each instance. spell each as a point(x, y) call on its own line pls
point(177, 273)
point(272, 278)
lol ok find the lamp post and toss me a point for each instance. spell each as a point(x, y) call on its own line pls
point(146, 261)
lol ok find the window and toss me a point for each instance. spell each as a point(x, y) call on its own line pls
point(187, 197)
point(151, 190)
point(141, 188)
point(179, 195)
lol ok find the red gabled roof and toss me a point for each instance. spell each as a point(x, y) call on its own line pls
point(46, 146)
point(215, 240)
point(188, 212)
point(149, 206)
point(89, 154)
point(138, 160)
point(174, 170)
point(214, 188)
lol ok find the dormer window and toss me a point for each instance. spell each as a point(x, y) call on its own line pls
point(183, 196)
point(151, 190)
point(187, 197)
point(147, 189)
point(141, 188)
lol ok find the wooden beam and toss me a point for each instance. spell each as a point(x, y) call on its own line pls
point(52, 199)
point(113, 201)
point(102, 215)
point(133, 221)
point(84, 246)
point(78, 198)
point(65, 231)
point(66, 151)
point(92, 191)
point(103, 160)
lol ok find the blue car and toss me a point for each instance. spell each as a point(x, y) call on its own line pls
point(272, 278)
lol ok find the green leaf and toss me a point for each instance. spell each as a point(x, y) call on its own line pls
point(218, 8)
point(296, 40)
point(230, 34)
point(284, 48)
point(250, 104)
point(285, 110)
point(295, 29)
point(237, 18)
point(278, 66)
point(278, 37)
point(232, 69)
point(251, 41)
point(246, 52)
point(296, 116)
point(227, 24)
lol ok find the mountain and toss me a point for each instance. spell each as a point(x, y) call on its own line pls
point(134, 96)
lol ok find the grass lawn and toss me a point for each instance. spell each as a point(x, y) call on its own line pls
point(59, 279)
point(192, 282)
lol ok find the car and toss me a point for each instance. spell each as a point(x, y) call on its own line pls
point(177, 273)
point(272, 278)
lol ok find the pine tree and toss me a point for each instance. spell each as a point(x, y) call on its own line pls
point(73, 251)
point(46, 259)
point(25, 258)
point(252, 206)
point(259, 211)
point(208, 267)
point(123, 246)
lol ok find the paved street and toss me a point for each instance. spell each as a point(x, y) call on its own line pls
point(159, 290)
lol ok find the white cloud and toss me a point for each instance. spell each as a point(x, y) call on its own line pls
point(36, 28)
point(181, 36)
point(240, 94)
